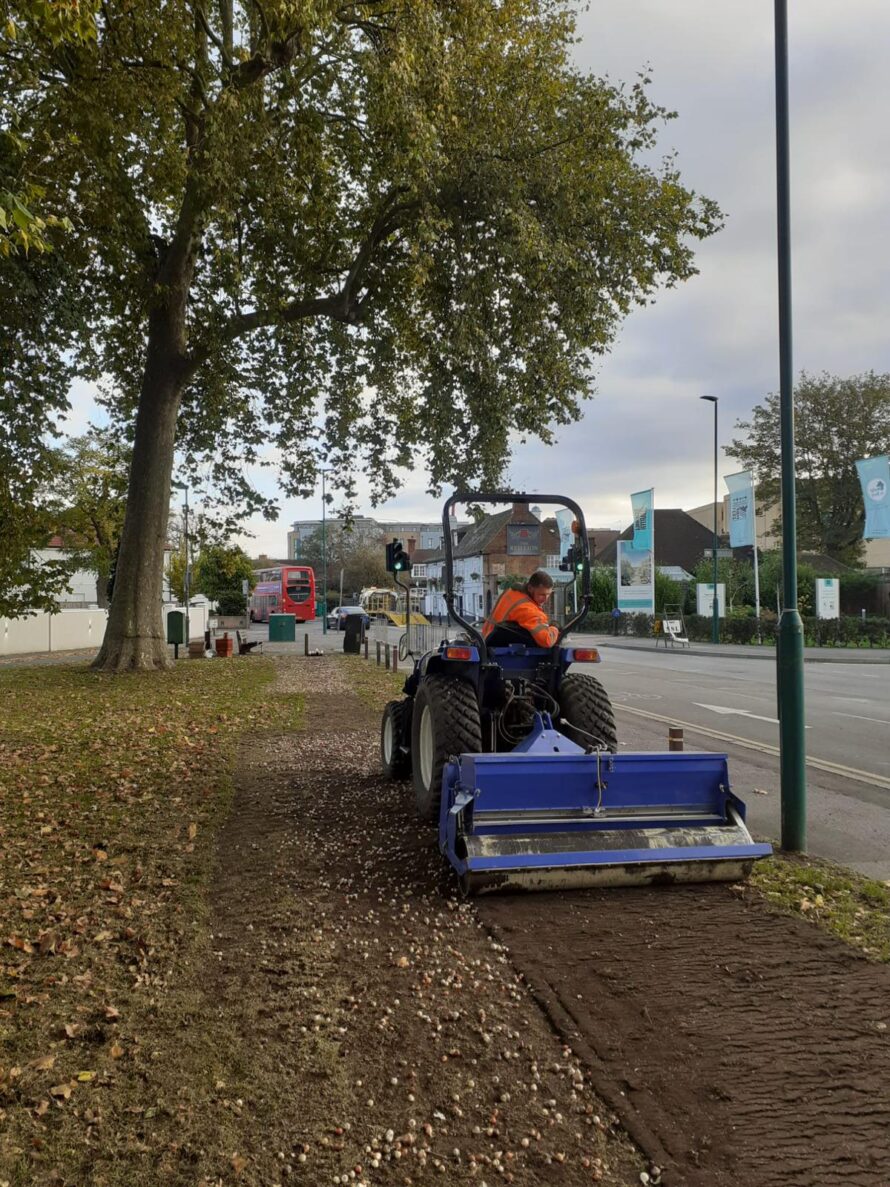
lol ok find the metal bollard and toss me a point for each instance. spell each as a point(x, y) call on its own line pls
point(395, 659)
point(378, 652)
point(675, 738)
point(386, 652)
point(366, 646)
point(305, 644)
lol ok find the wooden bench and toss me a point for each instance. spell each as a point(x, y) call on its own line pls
point(246, 646)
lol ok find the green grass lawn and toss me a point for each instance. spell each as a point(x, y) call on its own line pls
point(111, 792)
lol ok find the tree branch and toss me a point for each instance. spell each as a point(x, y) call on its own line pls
point(344, 306)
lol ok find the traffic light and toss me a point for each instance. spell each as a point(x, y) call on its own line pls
point(573, 561)
point(397, 559)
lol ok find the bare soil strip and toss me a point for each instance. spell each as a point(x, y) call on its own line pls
point(741, 1047)
point(390, 1039)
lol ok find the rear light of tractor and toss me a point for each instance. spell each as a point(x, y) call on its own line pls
point(458, 653)
point(586, 655)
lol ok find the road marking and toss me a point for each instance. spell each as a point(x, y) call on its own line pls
point(820, 764)
point(859, 717)
point(737, 712)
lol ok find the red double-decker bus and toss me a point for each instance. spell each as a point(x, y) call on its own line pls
point(288, 590)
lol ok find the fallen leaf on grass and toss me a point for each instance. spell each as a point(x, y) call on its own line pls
point(193, 831)
point(101, 936)
point(238, 1163)
point(42, 1107)
point(85, 1077)
point(116, 1050)
point(43, 1064)
point(61, 1091)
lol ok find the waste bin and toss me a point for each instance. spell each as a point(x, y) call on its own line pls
point(353, 631)
point(282, 628)
point(176, 626)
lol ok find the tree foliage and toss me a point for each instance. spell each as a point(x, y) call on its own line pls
point(837, 422)
point(360, 232)
point(25, 28)
point(220, 570)
point(35, 375)
point(92, 482)
point(361, 557)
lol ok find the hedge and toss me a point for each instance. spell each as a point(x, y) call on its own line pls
point(818, 632)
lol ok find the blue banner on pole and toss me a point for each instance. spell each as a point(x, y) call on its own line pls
point(874, 478)
point(564, 519)
point(642, 505)
point(636, 578)
point(741, 508)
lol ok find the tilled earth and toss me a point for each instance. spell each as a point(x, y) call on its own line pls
point(405, 1037)
point(393, 1041)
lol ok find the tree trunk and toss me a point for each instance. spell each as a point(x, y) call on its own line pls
point(134, 637)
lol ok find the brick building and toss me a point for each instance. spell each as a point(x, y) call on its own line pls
point(513, 543)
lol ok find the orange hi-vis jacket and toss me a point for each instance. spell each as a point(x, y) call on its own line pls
point(514, 605)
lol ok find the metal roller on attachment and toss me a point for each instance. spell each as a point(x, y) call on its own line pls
point(547, 815)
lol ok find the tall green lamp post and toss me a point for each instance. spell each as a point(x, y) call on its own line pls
point(715, 608)
point(789, 650)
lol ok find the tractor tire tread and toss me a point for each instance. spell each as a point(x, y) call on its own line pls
point(585, 703)
point(399, 766)
point(456, 707)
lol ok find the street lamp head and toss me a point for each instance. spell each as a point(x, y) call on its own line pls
point(712, 399)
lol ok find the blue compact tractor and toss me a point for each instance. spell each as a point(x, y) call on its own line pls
point(512, 750)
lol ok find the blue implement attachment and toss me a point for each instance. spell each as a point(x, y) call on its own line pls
point(549, 815)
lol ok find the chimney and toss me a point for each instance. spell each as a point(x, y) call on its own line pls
point(521, 513)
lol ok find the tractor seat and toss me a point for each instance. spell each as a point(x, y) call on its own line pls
point(508, 632)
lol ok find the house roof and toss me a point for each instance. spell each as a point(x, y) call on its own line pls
point(823, 563)
point(477, 538)
point(421, 555)
point(679, 540)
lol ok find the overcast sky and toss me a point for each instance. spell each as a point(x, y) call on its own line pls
point(713, 64)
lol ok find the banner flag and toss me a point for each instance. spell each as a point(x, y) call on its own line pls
point(636, 578)
point(642, 504)
point(874, 478)
point(741, 508)
point(564, 519)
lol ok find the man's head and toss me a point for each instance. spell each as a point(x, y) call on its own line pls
point(539, 587)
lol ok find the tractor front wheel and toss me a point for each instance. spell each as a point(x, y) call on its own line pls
point(586, 713)
point(445, 722)
point(396, 761)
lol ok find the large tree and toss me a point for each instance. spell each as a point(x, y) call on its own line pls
point(837, 421)
point(368, 232)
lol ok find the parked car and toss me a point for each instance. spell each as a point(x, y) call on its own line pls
point(337, 618)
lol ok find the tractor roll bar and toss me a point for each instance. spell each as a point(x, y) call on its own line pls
point(506, 496)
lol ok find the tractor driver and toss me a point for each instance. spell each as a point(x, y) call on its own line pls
point(523, 606)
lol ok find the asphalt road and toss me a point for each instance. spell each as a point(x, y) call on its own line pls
point(847, 705)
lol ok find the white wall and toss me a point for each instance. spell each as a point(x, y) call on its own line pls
point(72, 630)
point(69, 630)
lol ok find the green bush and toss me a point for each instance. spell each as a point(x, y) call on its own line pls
point(231, 601)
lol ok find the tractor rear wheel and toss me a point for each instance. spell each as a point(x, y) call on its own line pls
point(396, 760)
point(445, 722)
point(585, 706)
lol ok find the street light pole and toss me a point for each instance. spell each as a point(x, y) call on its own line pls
point(188, 575)
point(789, 649)
point(183, 486)
point(715, 620)
point(324, 560)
